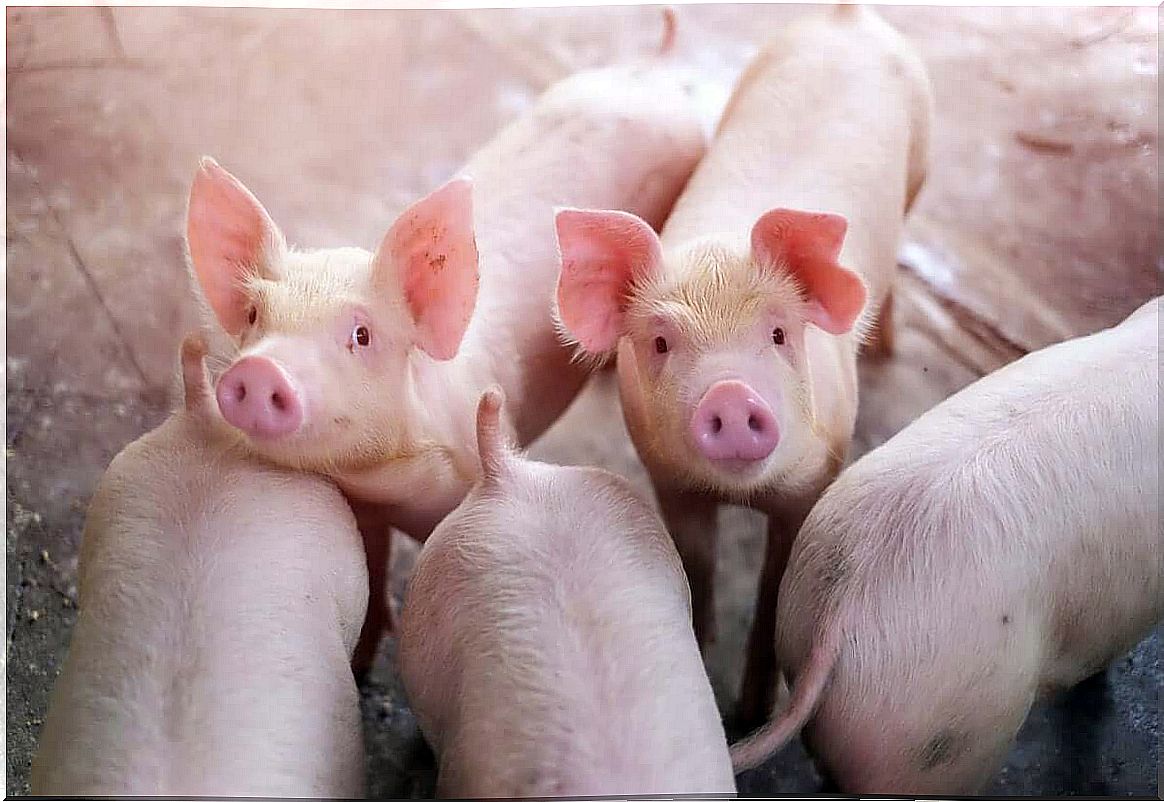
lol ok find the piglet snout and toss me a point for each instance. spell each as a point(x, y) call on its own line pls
point(256, 396)
point(732, 424)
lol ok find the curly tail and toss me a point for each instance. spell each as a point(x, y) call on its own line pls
point(196, 384)
point(847, 11)
point(753, 750)
point(670, 31)
point(491, 443)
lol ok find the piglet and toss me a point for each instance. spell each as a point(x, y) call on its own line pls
point(220, 600)
point(1005, 544)
point(737, 331)
point(366, 367)
point(546, 641)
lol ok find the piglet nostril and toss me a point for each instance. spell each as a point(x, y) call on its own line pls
point(255, 396)
point(732, 422)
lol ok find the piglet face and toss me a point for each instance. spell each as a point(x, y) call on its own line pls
point(313, 357)
point(713, 366)
point(328, 340)
point(717, 362)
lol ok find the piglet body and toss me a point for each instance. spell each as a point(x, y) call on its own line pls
point(737, 330)
point(546, 641)
point(1005, 544)
point(366, 367)
point(220, 600)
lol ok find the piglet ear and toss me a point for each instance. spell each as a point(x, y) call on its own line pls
point(430, 253)
point(602, 253)
point(230, 236)
point(807, 245)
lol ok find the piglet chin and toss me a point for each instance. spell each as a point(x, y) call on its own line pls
point(735, 479)
point(737, 467)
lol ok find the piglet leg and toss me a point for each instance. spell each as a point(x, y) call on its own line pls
point(758, 687)
point(381, 618)
point(691, 521)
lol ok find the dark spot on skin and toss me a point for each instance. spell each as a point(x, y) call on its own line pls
point(541, 783)
point(1043, 144)
point(342, 420)
point(1068, 632)
point(943, 749)
point(834, 567)
point(1006, 619)
point(437, 263)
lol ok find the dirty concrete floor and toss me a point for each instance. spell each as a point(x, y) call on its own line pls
point(1039, 222)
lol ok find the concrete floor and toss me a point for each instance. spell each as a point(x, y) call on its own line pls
point(1039, 223)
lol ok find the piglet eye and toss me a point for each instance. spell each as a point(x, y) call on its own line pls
point(252, 314)
point(778, 336)
point(361, 336)
point(661, 346)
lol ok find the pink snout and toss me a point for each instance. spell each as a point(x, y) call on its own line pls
point(256, 396)
point(733, 425)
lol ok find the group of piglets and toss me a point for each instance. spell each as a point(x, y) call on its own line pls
point(234, 560)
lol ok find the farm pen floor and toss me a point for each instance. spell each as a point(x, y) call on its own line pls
point(1038, 223)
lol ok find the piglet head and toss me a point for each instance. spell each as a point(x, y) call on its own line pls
point(713, 367)
point(326, 338)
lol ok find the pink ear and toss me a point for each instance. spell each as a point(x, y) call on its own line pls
point(807, 244)
point(602, 252)
point(432, 253)
point(230, 235)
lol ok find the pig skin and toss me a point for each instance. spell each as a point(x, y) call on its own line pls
point(819, 155)
point(1005, 545)
point(546, 642)
point(220, 601)
point(393, 426)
